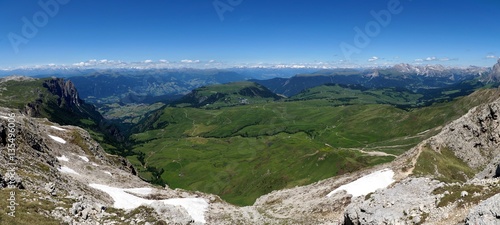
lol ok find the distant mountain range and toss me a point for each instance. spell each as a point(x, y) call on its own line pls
point(82, 69)
point(402, 76)
point(147, 86)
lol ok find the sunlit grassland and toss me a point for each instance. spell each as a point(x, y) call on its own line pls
point(243, 152)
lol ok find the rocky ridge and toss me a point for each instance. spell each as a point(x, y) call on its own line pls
point(65, 89)
point(494, 75)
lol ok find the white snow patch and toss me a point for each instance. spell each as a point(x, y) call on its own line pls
point(57, 128)
point(140, 191)
point(107, 172)
point(367, 184)
point(63, 158)
point(65, 169)
point(58, 139)
point(195, 207)
point(84, 158)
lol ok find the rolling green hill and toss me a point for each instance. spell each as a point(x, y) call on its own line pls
point(224, 95)
point(245, 151)
point(339, 94)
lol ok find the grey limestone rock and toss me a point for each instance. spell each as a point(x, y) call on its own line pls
point(406, 202)
point(486, 213)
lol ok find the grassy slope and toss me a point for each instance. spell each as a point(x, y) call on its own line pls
point(351, 94)
point(443, 165)
point(15, 94)
point(27, 211)
point(225, 95)
point(245, 151)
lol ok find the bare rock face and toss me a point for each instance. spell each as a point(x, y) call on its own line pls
point(497, 171)
point(487, 212)
point(494, 76)
point(496, 68)
point(66, 90)
point(474, 138)
point(406, 202)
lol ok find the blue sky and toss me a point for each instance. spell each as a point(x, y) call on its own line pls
point(250, 31)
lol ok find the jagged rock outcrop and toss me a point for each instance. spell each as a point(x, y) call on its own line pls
point(494, 75)
point(487, 212)
point(406, 202)
point(474, 138)
point(68, 96)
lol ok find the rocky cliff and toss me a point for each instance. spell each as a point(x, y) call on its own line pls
point(494, 75)
point(68, 95)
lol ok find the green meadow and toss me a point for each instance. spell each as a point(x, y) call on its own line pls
point(242, 152)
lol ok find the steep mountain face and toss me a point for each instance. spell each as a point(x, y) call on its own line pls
point(52, 98)
point(495, 73)
point(55, 99)
point(68, 96)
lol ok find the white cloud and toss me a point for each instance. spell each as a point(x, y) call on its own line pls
point(148, 61)
point(491, 57)
point(445, 59)
point(163, 61)
point(189, 61)
point(373, 59)
point(419, 60)
point(431, 58)
point(211, 61)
